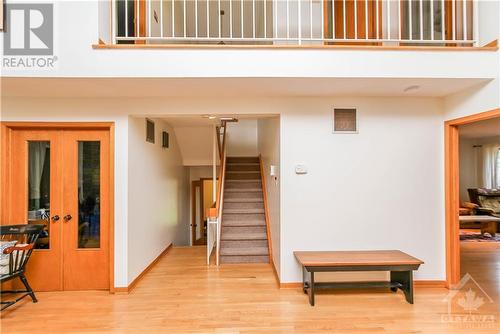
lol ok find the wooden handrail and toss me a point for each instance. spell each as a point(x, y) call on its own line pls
point(222, 154)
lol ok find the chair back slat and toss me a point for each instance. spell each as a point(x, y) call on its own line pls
point(25, 233)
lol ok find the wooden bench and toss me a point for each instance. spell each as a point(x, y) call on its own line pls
point(400, 265)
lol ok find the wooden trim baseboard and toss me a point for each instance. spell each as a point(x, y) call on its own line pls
point(416, 283)
point(429, 284)
point(296, 47)
point(275, 272)
point(133, 284)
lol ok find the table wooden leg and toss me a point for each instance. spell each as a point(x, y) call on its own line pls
point(311, 288)
point(405, 278)
point(308, 284)
point(490, 227)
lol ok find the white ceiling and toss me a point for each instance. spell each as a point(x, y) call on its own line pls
point(225, 87)
point(483, 129)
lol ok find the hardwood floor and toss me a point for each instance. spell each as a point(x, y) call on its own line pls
point(181, 295)
point(482, 261)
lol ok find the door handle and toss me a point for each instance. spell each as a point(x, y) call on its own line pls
point(55, 218)
point(67, 218)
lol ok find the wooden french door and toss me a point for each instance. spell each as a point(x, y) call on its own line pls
point(60, 178)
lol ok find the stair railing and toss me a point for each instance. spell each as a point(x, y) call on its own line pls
point(215, 213)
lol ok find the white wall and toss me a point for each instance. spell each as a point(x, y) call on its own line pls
point(158, 196)
point(379, 189)
point(475, 100)
point(242, 138)
point(488, 24)
point(104, 26)
point(269, 149)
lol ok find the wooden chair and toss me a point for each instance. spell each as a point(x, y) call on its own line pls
point(25, 237)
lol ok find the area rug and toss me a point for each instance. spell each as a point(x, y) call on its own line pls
point(477, 237)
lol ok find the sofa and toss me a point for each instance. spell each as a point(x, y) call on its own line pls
point(485, 201)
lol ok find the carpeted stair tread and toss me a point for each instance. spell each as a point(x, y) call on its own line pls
point(244, 251)
point(244, 223)
point(244, 259)
point(231, 160)
point(242, 171)
point(243, 211)
point(244, 236)
point(244, 200)
point(241, 181)
point(242, 190)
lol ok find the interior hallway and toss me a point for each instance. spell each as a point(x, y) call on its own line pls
point(181, 295)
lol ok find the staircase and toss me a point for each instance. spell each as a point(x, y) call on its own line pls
point(244, 233)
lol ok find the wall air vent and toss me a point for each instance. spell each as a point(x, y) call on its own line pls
point(164, 139)
point(150, 131)
point(345, 120)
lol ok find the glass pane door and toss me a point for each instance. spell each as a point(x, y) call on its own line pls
point(89, 187)
point(39, 189)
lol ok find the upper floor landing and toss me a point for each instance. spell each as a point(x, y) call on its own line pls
point(267, 39)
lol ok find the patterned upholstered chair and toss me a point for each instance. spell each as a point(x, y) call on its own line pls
point(485, 201)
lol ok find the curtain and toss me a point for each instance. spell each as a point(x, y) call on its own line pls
point(37, 152)
point(490, 166)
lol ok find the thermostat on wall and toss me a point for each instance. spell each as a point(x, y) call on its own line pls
point(300, 169)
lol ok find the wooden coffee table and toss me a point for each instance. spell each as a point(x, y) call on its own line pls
point(399, 264)
point(488, 223)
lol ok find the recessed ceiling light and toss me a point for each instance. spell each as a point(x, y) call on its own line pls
point(411, 88)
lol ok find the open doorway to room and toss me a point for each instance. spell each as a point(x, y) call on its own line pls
point(479, 222)
point(202, 199)
point(473, 201)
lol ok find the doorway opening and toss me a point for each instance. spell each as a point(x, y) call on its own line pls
point(202, 199)
point(472, 165)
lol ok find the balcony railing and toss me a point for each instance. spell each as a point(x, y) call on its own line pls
point(295, 22)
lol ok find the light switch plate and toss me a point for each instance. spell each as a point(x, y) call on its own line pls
point(300, 169)
point(273, 170)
